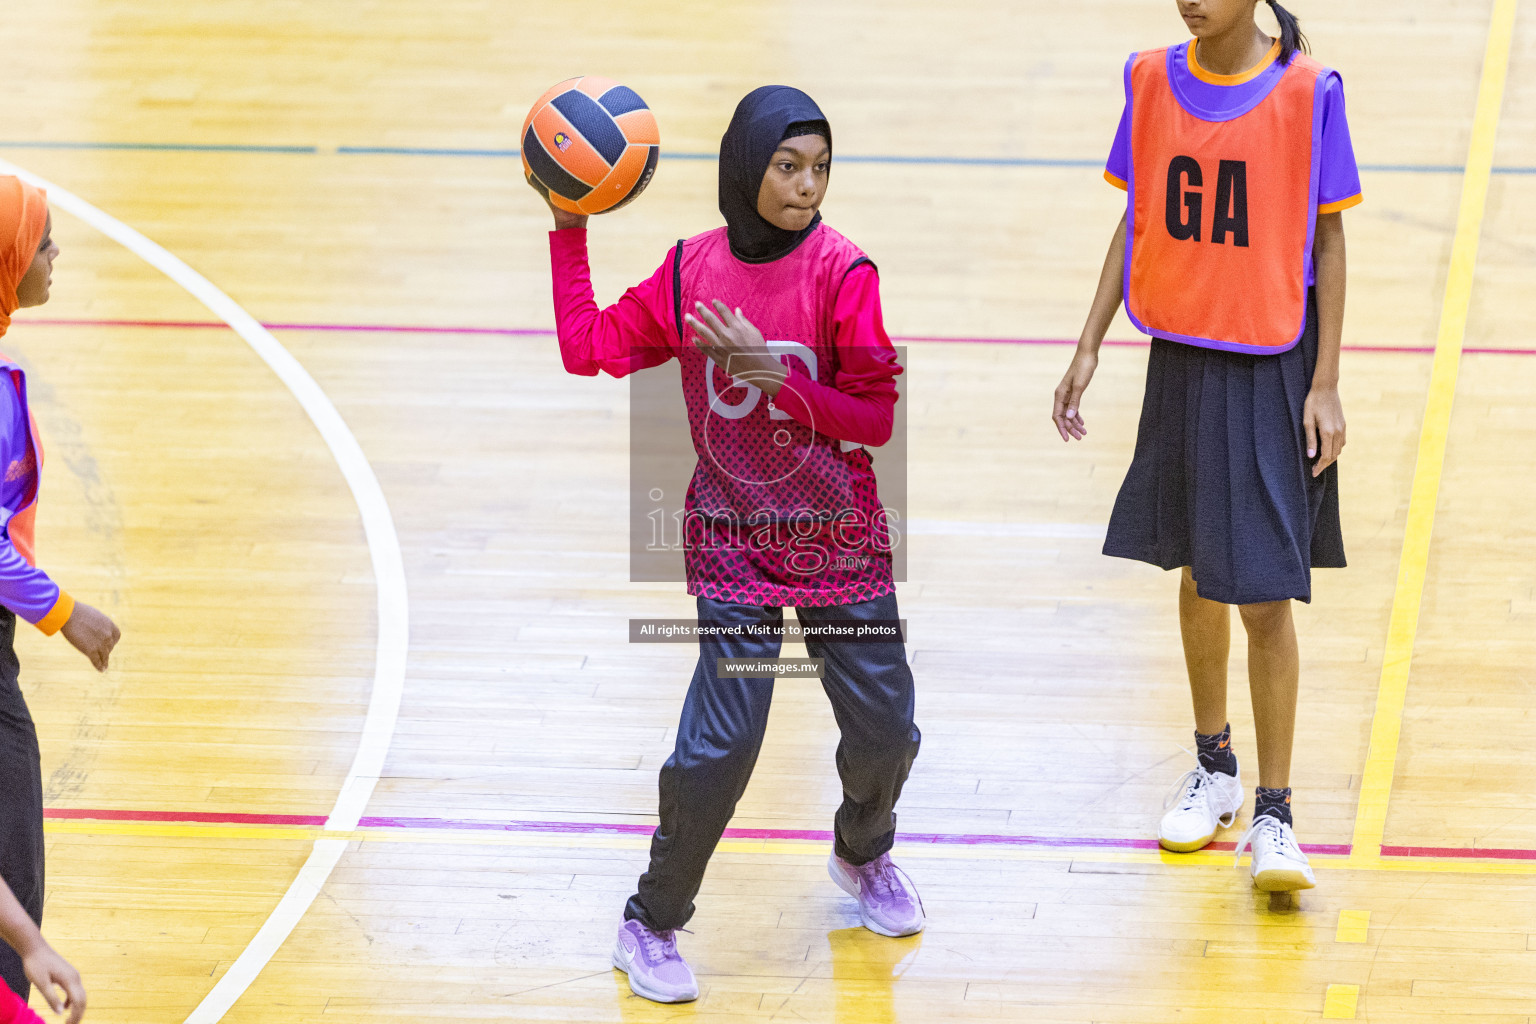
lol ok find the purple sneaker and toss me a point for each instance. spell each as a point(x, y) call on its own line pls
point(888, 901)
point(656, 970)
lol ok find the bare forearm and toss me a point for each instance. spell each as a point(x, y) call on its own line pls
point(1323, 413)
point(16, 928)
point(56, 980)
point(1328, 258)
point(1106, 300)
point(1069, 393)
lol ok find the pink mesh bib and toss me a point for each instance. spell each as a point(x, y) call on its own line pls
point(755, 463)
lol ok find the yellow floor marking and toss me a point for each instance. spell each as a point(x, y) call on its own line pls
point(1340, 1002)
point(1386, 727)
point(1352, 925)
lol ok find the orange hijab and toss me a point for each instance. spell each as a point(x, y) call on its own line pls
point(23, 217)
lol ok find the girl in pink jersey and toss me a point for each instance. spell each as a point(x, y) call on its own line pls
point(787, 373)
point(1235, 155)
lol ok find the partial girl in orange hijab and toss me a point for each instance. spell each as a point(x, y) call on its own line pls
point(27, 253)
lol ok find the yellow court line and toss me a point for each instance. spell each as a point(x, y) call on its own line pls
point(760, 847)
point(1340, 1002)
point(1391, 694)
point(1354, 926)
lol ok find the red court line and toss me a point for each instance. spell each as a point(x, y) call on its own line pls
point(543, 332)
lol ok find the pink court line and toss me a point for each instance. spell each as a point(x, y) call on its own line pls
point(621, 828)
point(543, 332)
point(816, 835)
point(203, 817)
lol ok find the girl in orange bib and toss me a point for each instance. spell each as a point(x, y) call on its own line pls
point(1236, 161)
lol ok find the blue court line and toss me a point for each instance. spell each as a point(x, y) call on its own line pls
point(508, 154)
point(512, 154)
point(954, 161)
point(190, 147)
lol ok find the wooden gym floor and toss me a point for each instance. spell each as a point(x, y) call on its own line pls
point(342, 170)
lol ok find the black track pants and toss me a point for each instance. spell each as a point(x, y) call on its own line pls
point(721, 731)
point(21, 800)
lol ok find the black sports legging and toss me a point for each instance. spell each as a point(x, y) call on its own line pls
point(21, 801)
point(721, 731)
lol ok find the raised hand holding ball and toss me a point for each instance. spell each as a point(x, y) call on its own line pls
point(590, 145)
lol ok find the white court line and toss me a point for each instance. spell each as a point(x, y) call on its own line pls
point(388, 574)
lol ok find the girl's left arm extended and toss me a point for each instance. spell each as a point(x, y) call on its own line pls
point(1323, 415)
point(1066, 408)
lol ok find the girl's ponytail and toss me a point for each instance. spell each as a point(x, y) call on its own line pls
point(1291, 38)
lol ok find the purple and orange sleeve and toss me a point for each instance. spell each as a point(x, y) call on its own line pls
point(1117, 169)
point(636, 332)
point(30, 593)
point(1338, 187)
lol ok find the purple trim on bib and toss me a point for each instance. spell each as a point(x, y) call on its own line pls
point(1263, 85)
point(1308, 275)
point(1130, 197)
point(1224, 346)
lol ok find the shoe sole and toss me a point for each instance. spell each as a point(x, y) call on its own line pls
point(1190, 847)
point(851, 887)
point(638, 988)
point(1282, 880)
point(1225, 821)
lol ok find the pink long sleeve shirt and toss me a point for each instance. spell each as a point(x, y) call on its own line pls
point(853, 403)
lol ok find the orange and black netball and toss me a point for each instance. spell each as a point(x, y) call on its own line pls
point(590, 144)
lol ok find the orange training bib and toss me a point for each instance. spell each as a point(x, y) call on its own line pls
point(1221, 212)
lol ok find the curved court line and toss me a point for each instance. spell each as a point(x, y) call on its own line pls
point(388, 572)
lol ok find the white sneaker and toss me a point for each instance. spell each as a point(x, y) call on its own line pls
point(1278, 863)
point(1197, 806)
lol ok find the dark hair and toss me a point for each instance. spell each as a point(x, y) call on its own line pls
point(799, 128)
point(1291, 38)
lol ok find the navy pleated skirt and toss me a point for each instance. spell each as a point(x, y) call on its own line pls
point(1221, 481)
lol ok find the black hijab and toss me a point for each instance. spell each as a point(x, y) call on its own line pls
point(762, 120)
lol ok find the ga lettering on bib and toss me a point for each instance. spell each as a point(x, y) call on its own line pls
point(1221, 209)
